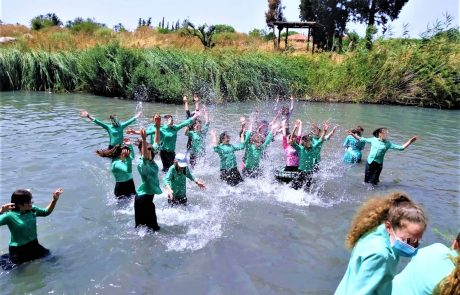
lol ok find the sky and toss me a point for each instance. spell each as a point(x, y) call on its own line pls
point(243, 15)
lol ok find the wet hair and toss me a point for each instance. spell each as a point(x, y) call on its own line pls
point(192, 126)
point(378, 131)
point(306, 137)
point(358, 130)
point(114, 119)
point(222, 136)
point(396, 208)
point(149, 147)
point(20, 197)
point(112, 153)
point(450, 285)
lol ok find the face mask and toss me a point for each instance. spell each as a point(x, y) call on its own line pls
point(402, 248)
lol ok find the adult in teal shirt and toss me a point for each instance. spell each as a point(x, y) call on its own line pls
point(226, 151)
point(115, 129)
point(175, 181)
point(353, 147)
point(379, 146)
point(383, 230)
point(21, 218)
point(426, 269)
point(255, 148)
point(168, 138)
point(122, 168)
point(317, 143)
point(144, 208)
point(197, 134)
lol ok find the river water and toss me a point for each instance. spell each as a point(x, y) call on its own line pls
point(258, 238)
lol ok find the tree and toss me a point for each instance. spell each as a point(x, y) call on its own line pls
point(375, 13)
point(45, 21)
point(204, 33)
point(332, 14)
point(274, 14)
point(88, 25)
point(222, 28)
point(119, 28)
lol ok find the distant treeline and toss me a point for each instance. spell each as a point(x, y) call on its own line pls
point(422, 72)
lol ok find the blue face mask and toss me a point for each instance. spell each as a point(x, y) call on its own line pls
point(403, 248)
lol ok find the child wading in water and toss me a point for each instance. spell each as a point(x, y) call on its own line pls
point(353, 147)
point(197, 134)
point(175, 181)
point(379, 146)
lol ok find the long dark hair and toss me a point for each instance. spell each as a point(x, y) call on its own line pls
point(222, 136)
point(20, 197)
point(378, 131)
point(149, 147)
point(112, 153)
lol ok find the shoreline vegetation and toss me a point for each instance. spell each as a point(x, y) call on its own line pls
point(148, 65)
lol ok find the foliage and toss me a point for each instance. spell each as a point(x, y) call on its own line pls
point(204, 32)
point(84, 25)
point(222, 28)
point(274, 13)
point(45, 21)
point(258, 33)
point(119, 28)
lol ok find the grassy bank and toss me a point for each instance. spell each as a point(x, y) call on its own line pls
point(397, 71)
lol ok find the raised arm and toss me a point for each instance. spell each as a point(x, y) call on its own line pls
point(145, 150)
point(157, 122)
point(96, 121)
point(352, 134)
point(275, 108)
point(292, 104)
point(186, 122)
point(332, 132)
point(299, 133)
point(56, 194)
point(206, 115)
point(187, 110)
point(196, 101)
point(85, 114)
point(323, 133)
point(214, 138)
point(130, 121)
point(409, 142)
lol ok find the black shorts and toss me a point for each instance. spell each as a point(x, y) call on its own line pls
point(302, 180)
point(372, 172)
point(27, 252)
point(144, 212)
point(231, 176)
point(125, 189)
point(178, 201)
point(291, 168)
point(167, 158)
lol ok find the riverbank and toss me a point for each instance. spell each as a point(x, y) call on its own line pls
point(422, 73)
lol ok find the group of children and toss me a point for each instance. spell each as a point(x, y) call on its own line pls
point(302, 155)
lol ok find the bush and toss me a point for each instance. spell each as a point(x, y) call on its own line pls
point(224, 29)
point(45, 21)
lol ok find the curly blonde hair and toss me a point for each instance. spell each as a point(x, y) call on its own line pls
point(450, 285)
point(395, 207)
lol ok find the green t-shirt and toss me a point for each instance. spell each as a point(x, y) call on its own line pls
point(149, 174)
point(227, 156)
point(317, 145)
point(197, 138)
point(22, 226)
point(176, 181)
point(122, 170)
point(254, 153)
point(306, 156)
point(115, 133)
point(168, 134)
point(379, 148)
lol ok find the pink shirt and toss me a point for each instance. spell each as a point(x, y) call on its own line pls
point(292, 158)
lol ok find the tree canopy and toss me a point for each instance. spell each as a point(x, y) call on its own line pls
point(45, 21)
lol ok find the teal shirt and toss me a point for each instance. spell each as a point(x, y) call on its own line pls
point(115, 133)
point(198, 146)
point(379, 148)
point(306, 156)
point(425, 270)
point(353, 150)
point(148, 171)
point(122, 170)
point(254, 153)
point(317, 145)
point(227, 156)
point(176, 181)
point(168, 134)
point(22, 226)
point(372, 265)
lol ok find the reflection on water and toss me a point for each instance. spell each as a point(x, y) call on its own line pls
point(259, 237)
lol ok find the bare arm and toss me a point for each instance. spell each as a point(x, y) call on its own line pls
point(332, 131)
point(157, 121)
point(409, 142)
point(300, 128)
point(292, 104)
point(185, 103)
point(84, 113)
point(196, 100)
point(214, 138)
point(352, 134)
point(206, 115)
point(56, 194)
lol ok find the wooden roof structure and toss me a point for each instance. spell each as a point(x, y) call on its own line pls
point(294, 25)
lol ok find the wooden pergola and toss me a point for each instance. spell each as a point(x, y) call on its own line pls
point(295, 25)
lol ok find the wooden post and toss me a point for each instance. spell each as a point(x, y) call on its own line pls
point(286, 40)
point(279, 36)
point(308, 39)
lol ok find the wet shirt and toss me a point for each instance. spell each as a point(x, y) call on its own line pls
point(122, 170)
point(177, 181)
point(197, 138)
point(379, 148)
point(168, 134)
point(372, 265)
point(227, 156)
point(292, 157)
point(307, 156)
point(425, 270)
point(254, 153)
point(22, 226)
point(353, 149)
point(317, 145)
point(148, 171)
point(115, 132)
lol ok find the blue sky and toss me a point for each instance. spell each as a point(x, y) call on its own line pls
point(243, 15)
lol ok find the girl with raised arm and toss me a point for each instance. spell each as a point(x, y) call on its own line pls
point(316, 134)
point(21, 218)
point(188, 115)
point(144, 208)
point(285, 112)
point(379, 146)
point(115, 129)
point(175, 181)
point(122, 168)
point(226, 151)
point(353, 147)
point(197, 135)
